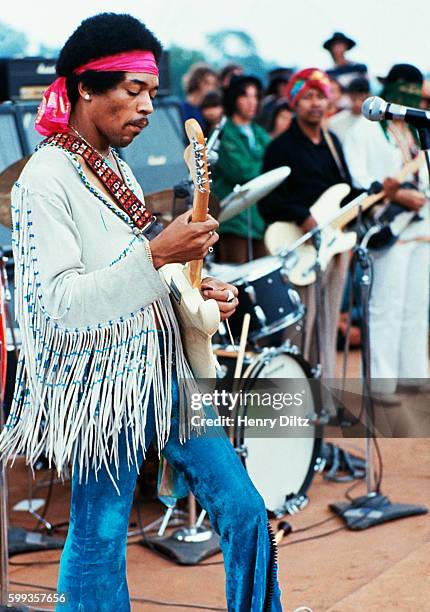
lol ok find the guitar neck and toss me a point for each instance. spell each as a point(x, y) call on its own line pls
point(200, 211)
point(196, 159)
point(350, 213)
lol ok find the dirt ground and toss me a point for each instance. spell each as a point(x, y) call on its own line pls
point(384, 568)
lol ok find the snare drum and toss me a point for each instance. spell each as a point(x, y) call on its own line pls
point(266, 294)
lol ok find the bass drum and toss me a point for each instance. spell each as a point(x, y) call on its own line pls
point(282, 469)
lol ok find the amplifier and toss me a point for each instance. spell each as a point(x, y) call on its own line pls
point(26, 78)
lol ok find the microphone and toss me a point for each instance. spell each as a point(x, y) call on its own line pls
point(377, 109)
point(213, 143)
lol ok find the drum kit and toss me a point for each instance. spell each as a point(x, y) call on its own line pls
point(284, 475)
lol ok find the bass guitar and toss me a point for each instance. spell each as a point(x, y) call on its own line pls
point(331, 218)
point(282, 235)
point(391, 218)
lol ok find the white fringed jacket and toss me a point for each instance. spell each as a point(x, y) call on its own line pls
point(86, 301)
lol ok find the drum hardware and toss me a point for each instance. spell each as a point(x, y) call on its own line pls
point(289, 258)
point(320, 464)
point(195, 532)
point(188, 545)
point(214, 140)
point(292, 505)
point(242, 451)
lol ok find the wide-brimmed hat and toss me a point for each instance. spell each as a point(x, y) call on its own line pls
point(339, 37)
point(402, 72)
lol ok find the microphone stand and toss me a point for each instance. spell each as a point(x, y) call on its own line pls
point(316, 239)
point(373, 508)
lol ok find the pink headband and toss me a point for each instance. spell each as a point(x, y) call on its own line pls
point(54, 110)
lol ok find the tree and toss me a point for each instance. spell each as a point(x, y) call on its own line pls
point(12, 42)
point(47, 51)
point(227, 46)
point(180, 60)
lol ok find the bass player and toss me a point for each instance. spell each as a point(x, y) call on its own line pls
point(317, 162)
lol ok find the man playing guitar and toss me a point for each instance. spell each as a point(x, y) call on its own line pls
point(317, 162)
point(103, 370)
point(399, 303)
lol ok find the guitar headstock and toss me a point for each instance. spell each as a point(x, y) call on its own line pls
point(195, 156)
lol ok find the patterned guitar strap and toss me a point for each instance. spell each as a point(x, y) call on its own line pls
point(144, 221)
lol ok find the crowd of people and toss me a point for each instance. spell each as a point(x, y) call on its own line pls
point(310, 120)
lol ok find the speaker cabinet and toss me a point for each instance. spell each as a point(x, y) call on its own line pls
point(10, 137)
point(26, 114)
point(25, 78)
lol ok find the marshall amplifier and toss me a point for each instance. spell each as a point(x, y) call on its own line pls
point(26, 78)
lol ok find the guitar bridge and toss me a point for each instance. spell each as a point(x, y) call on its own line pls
point(175, 292)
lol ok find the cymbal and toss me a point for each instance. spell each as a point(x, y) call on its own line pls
point(244, 196)
point(7, 181)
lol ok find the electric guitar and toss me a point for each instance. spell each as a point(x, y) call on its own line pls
point(282, 235)
point(331, 219)
point(392, 218)
point(198, 318)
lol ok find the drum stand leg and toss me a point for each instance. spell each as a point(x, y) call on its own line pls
point(188, 545)
point(317, 370)
point(321, 415)
point(373, 508)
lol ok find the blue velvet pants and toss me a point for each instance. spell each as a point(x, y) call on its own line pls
point(93, 563)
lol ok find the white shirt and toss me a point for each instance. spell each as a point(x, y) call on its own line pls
point(341, 123)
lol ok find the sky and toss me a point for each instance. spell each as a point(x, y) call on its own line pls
point(287, 32)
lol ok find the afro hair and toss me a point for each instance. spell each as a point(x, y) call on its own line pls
point(105, 34)
point(98, 36)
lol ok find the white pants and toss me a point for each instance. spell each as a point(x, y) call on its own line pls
point(399, 315)
point(333, 284)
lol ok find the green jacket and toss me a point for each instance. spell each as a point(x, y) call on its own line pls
point(238, 164)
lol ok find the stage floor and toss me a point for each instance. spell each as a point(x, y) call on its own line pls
point(383, 568)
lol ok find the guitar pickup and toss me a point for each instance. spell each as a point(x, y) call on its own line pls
point(175, 292)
